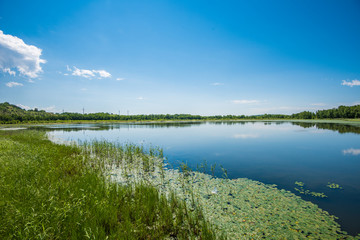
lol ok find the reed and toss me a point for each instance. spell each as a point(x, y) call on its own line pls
point(50, 191)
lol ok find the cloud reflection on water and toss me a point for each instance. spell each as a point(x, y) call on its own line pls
point(351, 151)
point(246, 136)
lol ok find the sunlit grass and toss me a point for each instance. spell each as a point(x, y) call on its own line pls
point(50, 191)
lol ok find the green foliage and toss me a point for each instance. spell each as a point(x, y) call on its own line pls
point(12, 114)
point(50, 191)
point(340, 112)
point(300, 184)
point(301, 189)
point(334, 186)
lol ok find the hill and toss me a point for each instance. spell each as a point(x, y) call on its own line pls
point(10, 113)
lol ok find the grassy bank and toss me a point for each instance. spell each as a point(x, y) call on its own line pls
point(50, 191)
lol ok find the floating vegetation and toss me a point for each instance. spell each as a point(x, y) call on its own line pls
point(304, 191)
point(243, 208)
point(300, 184)
point(334, 186)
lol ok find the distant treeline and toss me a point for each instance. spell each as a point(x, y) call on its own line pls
point(340, 112)
point(10, 113)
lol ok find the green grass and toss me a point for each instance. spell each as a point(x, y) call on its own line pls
point(50, 191)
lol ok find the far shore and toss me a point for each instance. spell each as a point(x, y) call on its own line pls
point(348, 121)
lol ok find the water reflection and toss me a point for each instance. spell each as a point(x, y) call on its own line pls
point(351, 151)
point(246, 136)
point(274, 152)
point(341, 128)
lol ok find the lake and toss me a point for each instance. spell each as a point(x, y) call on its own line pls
point(272, 152)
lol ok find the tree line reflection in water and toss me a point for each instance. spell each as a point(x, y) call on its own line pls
point(338, 127)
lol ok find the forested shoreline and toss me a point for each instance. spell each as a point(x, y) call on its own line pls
point(12, 114)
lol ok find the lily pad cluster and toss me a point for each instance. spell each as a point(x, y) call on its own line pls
point(334, 186)
point(300, 189)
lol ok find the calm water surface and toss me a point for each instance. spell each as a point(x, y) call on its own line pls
point(271, 152)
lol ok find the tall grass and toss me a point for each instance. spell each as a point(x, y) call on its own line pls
point(50, 191)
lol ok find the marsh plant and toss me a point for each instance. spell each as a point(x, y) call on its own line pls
point(51, 191)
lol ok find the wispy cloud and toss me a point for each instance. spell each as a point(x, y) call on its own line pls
point(102, 73)
point(83, 73)
point(14, 84)
point(48, 109)
point(245, 101)
point(217, 84)
point(140, 98)
point(88, 73)
point(120, 79)
point(351, 151)
point(351, 83)
point(246, 136)
point(23, 106)
point(15, 54)
point(318, 104)
point(8, 70)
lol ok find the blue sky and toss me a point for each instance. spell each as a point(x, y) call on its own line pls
point(197, 57)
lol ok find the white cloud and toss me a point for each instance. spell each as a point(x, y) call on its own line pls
point(14, 84)
point(318, 104)
point(88, 73)
point(354, 82)
point(217, 84)
point(8, 70)
point(140, 98)
point(351, 151)
point(83, 73)
point(23, 106)
point(48, 109)
point(246, 136)
point(120, 79)
point(102, 73)
point(244, 101)
point(15, 54)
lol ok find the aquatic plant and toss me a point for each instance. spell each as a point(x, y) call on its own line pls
point(50, 191)
point(300, 184)
point(333, 186)
point(304, 191)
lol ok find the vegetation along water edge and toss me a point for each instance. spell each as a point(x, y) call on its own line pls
point(105, 190)
point(12, 114)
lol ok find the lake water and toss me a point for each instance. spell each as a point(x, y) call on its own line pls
point(271, 152)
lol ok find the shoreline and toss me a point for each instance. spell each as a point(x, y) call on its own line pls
point(239, 206)
point(347, 121)
point(242, 207)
